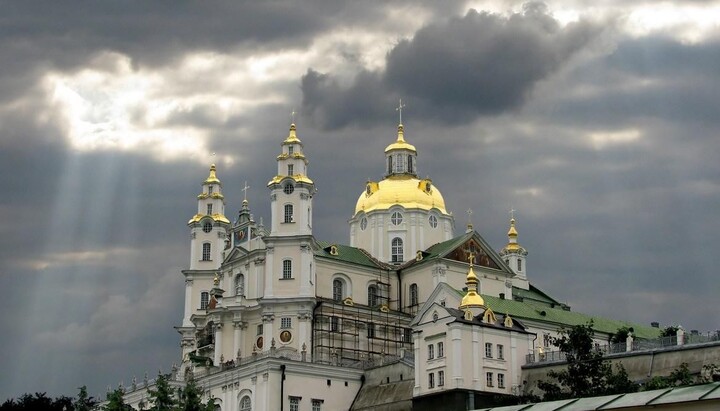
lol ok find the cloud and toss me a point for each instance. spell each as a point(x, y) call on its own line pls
point(453, 71)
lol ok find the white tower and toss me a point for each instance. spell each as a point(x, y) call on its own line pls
point(209, 227)
point(291, 191)
point(515, 257)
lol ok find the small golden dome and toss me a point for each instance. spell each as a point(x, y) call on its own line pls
point(512, 232)
point(292, 136)
point(403, 190)
point(400, 144)
point(212, 178)
point(472, 298)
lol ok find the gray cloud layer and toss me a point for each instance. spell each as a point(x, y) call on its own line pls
point(453, 71)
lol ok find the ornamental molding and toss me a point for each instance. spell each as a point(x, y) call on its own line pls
point(273, 197)
point(267, 318)
point(304, 196)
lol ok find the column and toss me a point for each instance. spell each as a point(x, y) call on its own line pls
point(418, 360)
point(267, 320)
point(188, 302)
point(218, 343)
point(304, 320)
point(476, 359)
point(238, 326)
point(456, 336)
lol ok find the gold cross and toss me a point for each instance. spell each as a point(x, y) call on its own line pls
point(292, 116)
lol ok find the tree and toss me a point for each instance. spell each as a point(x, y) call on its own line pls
point(669, 331)
point(190, 397)
point(620, 335)
point(162, 397)
point(116, 401)
point(679, 376)
point(84, 402)
point(588, 373)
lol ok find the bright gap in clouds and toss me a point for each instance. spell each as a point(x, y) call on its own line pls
point(110, 106)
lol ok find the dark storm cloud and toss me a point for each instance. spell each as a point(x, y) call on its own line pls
point(453, 71)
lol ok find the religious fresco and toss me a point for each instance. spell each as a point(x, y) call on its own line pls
point(472, 249)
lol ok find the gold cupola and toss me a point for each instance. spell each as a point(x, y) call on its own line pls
point(472, 299)
point(401, 185)
point(512, 245)
point(211, 201)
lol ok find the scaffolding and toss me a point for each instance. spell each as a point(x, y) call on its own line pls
point(348, 333)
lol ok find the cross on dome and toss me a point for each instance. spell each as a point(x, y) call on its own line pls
point(399, 109)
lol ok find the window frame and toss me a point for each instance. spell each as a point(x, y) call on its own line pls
point(431, 380)
point(489, 379)
point(440, 349)
point(372, 292)
point(396, 218)
point(285, 323)
point(291, 169)
point(397, 250)
point(209, 209)
point(431, 351)
point(288, 213)
point(287, 269)
point(501, 380)
point(414, 299)
point(240, 285)
point(441, 378)
point(488, 350)
point(206, 252)
point(204, 300)
point(245, 405)
point(500, 349)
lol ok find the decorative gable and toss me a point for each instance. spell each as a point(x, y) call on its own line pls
point(471, 247)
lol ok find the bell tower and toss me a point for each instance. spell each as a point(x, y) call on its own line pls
point(209, 227)
point(291, 190)
point(515, 257)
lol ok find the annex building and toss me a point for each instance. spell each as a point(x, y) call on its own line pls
point(277, 319)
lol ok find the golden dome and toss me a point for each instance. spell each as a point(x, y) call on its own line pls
point(472, 298)
point(512, 245)
point(212, 178)
point(403, 190)
point(400, 144)
point(292, 136)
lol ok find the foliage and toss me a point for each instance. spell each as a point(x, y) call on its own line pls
point(190, 397)
point(710, 373)
point(620, 335)
point(83, 401)
point(116, 401)
point(679, 376)
point(669, 331)
point(162, 396)
point(588, 373)
point(38, 401)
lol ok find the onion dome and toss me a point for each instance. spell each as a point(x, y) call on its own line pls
point(472, 298)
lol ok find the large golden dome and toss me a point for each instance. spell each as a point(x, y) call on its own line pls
point(403, 190)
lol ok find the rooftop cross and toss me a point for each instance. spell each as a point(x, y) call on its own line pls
point(399, 109)
point(292, 116)
point(512, 212)
point(471, 257)
point(245, 189)
point(469, 213)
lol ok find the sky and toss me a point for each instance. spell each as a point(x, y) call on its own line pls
point(598, 124)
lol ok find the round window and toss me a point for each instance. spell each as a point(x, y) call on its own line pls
point(363, 223)
point(396, 218)
point(207, 227)
point(433, 221)
point(288, 189)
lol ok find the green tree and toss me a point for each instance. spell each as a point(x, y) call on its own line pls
point(162, 396)
point(190, 397)
point(116, 401)
point(620, 335)
point(678, 377)
point(669, 331)
point(588, 373)
point(84, 402)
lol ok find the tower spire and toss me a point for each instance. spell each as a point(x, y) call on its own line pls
point(472, 299)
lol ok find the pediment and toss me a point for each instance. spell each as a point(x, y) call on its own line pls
point(472, 248)
point(235, 254)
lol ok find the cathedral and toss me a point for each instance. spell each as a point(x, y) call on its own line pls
point(276, 319)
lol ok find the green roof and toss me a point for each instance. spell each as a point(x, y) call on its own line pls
point(346, 253)
point(531, 310)
point(439, 249)
point(534, 294)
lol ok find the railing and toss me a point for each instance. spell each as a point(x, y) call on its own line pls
point(637, 345)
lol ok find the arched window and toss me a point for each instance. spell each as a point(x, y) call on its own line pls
point(287, 269)
point(372, 295)
point(240, 285)
point(245, 404)
point(410, 164)
point(206, 252)
point(288, 213)
point(204, 300)
point(413, 294)
point(396, 251)
point(338, 289)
